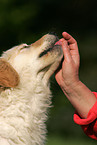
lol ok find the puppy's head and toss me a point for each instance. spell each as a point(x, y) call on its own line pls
point(35, 62)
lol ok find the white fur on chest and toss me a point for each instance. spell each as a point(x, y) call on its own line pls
point(22, 121)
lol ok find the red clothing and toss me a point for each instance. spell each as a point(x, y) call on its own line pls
point(89, 125)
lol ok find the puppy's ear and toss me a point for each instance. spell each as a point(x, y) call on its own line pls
point(8, 76)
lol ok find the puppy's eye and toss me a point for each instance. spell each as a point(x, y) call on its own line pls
point(24, 47)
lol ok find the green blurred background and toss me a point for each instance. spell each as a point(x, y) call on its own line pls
point(25, 21)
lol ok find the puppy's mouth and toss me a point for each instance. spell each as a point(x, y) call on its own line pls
point(50, 56)
point(52, 46)
point(45, 51)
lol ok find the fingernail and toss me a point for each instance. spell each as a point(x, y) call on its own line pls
point(64, 32)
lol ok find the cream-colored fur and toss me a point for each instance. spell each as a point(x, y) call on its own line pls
point(25, 94)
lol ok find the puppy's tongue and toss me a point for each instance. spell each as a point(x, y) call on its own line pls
point(58, 43)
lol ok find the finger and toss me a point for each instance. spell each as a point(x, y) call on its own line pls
point(69, 38)
point(66, 50)
point(72, 43)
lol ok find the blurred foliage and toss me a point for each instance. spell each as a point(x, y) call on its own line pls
point(25, 21)
point(53, 140)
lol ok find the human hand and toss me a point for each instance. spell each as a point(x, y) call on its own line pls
point(68, 76)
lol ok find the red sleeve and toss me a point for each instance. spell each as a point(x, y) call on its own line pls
point(89, 125)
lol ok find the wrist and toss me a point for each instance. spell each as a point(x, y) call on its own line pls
point(71, 87)
point(80, 97)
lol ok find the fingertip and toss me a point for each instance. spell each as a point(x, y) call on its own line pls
point(64, 43)
point(64, 33)
point(58, 43)
point(69, 38)
point(62, 39)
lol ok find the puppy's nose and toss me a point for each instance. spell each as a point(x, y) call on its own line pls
point(53, 33)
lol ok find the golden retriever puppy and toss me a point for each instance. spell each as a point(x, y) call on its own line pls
point(24, 90)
